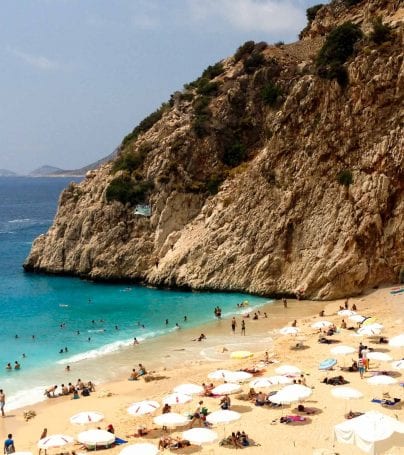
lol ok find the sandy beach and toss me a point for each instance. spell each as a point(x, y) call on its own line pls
point(184, 361)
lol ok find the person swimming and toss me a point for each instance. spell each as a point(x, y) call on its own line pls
point(17, 366)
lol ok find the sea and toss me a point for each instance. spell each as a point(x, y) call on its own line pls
point(48, 322)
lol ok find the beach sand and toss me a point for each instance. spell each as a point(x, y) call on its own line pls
point(179, 359)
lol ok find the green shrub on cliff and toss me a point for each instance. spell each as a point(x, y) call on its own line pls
point(380, 32)
point(271, 93)
point(338, 47)
point(312, 11)
point(127, 191)
point(351, 2)
point(345, 177)
point(202, 115)
point(253, 62)
point(131, 160)
point(146, 123)
point(244, 50)
point(213, 71)
point(234, 155)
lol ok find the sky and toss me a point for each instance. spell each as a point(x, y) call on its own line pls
point(78, 75)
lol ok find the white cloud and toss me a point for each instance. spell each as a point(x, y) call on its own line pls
point(250, 15)
point(36, 61)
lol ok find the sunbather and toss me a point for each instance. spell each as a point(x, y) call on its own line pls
point(289, 419)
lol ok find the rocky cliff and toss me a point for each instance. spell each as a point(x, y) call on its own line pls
point(262, 176)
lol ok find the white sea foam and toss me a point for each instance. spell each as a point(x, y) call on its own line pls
point(26, 397)
point(249, 308)
point(107, 349)
point(20, 220)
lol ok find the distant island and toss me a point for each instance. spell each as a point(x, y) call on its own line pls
point(52, 171)
point(7, 173)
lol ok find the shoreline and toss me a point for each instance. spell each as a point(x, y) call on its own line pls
point(191, 367)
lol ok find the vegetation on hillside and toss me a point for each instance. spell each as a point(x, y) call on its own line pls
point(380, 32)
point(338, 47)
point(128, 191)
point(146, 124)
point(345, 177)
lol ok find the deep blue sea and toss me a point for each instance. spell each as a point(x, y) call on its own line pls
point(40, 314)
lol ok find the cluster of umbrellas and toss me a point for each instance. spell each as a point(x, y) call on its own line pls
point(345, 432)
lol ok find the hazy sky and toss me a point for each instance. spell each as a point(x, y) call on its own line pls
point(77, 75)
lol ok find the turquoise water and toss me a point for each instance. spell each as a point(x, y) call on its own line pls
point(40, 315)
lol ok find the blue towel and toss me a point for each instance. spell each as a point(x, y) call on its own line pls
point(120, 441)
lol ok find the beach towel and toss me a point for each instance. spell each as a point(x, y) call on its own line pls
point(397, 291)
point(293, 418)
point(119, 441)
point(386, 402)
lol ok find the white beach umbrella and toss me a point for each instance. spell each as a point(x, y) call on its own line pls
point(321, 324)
point(188, 389)
point(237, 376)
point(301, 392)
point(289, 330)
point(397, 341)
point(143, 407)
point(346, 393)
point(288, 369)
point(228, 388)
point(342, 350)
point(223, 417)
point(346, 313)
point(381, 379)
point(357, 318)
point(200, 436)
point(382, 356)
point(398, 365)
point(260, 383)
point(291, 393)
point(368, 331)
point(218, 375)
point(171, 419)
point(270, 381)
point(96, 438)
point(140, 449)
point(55, 440)
point(177, 398)
point(86, 417)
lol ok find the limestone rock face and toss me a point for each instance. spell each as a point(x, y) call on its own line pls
point(281, 221)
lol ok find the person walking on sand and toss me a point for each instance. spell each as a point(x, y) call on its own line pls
point(43, 435)
point(243, 327)
point(2, 402)
point(9, 444)
point(285, 303)
point(233, 325)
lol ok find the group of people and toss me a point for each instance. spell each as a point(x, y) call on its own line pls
point(237, 439)
point(82, 388)
point(135, 375)
point(17, 366)
point(234, 325)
